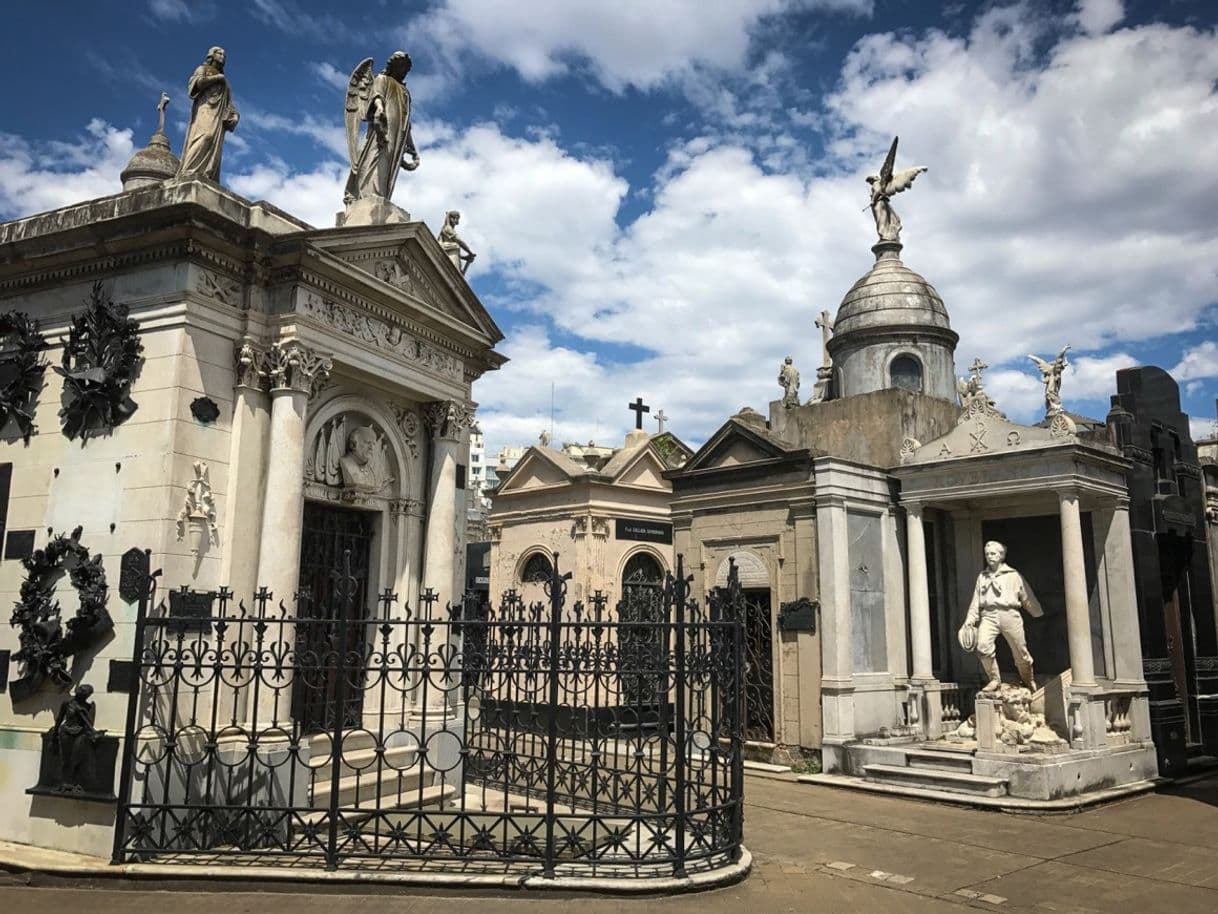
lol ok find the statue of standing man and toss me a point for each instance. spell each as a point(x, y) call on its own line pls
point(212, 115)
point(788, 380)
point(383, 103)
point(1001, 593)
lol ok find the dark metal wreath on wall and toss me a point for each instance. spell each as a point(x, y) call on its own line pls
point(101, 358)
point(21, 370)
point(45, 644)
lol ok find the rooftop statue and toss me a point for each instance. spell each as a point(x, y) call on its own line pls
point(883, 187)
point(1051, 375)
point(788, 380)
point(454, 246)
point(212, 115)
point(383, 102)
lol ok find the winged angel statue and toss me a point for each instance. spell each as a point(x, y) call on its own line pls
point(383, 101)
point(883, 187)
point(1051, 375)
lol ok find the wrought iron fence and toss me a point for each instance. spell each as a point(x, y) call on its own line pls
point(538, 738)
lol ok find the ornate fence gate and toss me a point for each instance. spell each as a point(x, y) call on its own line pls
point(517, 739)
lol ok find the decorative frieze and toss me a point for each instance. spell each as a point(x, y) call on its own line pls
point(219, 287)
point(381, 334)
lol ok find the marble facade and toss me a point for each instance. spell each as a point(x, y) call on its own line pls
point(296, 337)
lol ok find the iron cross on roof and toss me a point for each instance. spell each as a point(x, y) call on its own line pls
point(639, 408)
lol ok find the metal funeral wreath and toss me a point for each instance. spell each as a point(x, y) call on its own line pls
point(21, 370)
point(45, 645)
point(101, 358)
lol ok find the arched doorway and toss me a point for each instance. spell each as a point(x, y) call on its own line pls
point(640, 641)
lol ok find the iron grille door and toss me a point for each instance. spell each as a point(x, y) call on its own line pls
point(330, 533)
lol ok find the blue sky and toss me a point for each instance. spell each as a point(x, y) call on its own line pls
point(664, 195)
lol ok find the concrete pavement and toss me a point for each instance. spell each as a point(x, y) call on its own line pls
point(815, 849)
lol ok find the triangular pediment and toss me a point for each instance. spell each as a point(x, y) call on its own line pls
point(408, 266)
point(539, 468)
point(645, 471)
point(736, 444)
point(983, 430)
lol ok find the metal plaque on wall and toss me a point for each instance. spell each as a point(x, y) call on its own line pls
point(133, 574)
point(191, 607)
point(645, 531)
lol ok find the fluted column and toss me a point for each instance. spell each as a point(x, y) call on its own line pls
point(919, 594)
point(293, 373)
point(447, 420)
point(1078, 616)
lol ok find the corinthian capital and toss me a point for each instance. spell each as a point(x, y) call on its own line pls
point(249, 359)
point(447, 418)
point(293, 366)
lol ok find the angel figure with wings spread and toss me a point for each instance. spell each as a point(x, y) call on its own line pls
point(883, 187)
point(1051, 375)
point(383, 101)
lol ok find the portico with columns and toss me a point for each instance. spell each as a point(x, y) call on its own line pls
point(1055, 495)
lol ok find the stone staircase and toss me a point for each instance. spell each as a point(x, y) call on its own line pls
point(397, 779)
point(934, 767)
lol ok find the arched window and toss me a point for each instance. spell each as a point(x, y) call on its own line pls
point(640, 635)
point(642, 569)
point(905, 372)
point(536, 570)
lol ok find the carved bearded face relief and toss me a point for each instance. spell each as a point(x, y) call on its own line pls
point(361, 444)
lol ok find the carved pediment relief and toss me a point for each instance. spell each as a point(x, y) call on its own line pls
point(403, 273)
point(983, 431)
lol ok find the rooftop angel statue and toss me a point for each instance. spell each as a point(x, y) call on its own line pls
point(883, 187)
point(383, 102)
point(1051, 374)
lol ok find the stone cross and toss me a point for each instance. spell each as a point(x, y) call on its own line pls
point(639, 408)
point(160, 107)
point(660, 418)
point(825, 322)
point(977, 368)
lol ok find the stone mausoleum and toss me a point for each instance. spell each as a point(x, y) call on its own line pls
point(857, 521)
point(251, 399)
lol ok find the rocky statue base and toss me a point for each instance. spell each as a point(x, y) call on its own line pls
point(371, 211)
point(1008, 721)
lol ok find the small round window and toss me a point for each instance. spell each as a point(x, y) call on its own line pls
point(905, 372)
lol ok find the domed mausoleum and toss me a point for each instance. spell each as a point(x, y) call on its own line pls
point(892, 331)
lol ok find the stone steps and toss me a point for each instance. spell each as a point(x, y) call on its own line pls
point(935, 779)
point(435, 796)
point(395, 788)
point(940, 760)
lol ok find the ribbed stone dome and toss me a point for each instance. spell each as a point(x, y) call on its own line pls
point(151, 165)
point(890, 294)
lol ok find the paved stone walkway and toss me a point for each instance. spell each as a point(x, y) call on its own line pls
point(818, 849)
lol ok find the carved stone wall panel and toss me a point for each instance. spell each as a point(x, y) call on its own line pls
point(225, 290)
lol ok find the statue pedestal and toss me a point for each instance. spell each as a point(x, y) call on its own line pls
point(94, 778)
point(371, 211)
